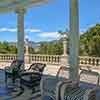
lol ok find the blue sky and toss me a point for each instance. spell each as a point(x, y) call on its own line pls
point(43, 22)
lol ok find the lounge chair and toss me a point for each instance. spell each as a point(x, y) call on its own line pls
point(85, 90)
point(13, 70)
point(51, 83)
point(57, 88)
point(32, 76)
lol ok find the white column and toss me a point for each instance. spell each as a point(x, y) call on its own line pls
point(26, 47)
point(74, 40)
point(65, 40)
point(26, 51)
point(20, 34)
point(64, 56)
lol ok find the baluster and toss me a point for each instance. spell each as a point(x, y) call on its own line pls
point(8, 57)
point(87, 61)
point(42, 58)
point(53, 59)
point(35, 58)
point(46, 59)
point(94, 61)
point(58, 59)
point(39, 58)
point(49, 58)
point(83, 61)
point(98, 61)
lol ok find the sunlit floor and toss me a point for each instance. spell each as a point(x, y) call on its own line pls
point(21, 93)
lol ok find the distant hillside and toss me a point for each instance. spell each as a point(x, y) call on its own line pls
point(31, 44)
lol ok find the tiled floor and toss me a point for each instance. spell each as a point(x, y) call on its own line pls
point(22, 93)
point(18, 93)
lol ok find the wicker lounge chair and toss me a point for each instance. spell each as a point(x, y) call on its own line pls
point(13, 70)
point(32, 76)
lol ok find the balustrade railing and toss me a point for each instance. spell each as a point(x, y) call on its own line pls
point(48, 59)
point(7, 57)
point(84, 61)
point(93, 62)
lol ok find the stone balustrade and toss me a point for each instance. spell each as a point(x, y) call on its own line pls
point(7, 57)
point(48, 59)
point(84, 61)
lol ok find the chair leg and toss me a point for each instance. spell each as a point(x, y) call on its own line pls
point(13, 80)
point(6, 77)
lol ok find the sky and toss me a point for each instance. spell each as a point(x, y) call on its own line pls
point(44, 21)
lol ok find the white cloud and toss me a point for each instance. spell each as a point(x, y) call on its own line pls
point(53, 35)
point(30, 30)
point(8, 29)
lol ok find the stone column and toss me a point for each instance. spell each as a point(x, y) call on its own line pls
point(64, 57)
point(65, 40)
point(20, 34)
point(74, 40)
point(26, 51)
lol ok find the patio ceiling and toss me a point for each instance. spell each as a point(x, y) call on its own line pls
point(12, 5)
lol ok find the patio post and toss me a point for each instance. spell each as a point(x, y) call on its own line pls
point(74, 40)
point(64, 56)
point(26, 50)
point(65, 44)
point(20, 34)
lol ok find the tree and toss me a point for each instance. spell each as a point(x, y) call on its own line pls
point(90, 41)
point(51, 48)
point(5, 48)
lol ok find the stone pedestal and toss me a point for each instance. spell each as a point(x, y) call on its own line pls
point(64, 60)
point(65, 44)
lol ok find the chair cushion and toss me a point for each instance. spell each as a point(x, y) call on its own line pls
point(77, 94)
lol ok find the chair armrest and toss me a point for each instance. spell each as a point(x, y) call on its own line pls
point(7, 67)
point(53, 81)
point(59, 86)
point(66, 85)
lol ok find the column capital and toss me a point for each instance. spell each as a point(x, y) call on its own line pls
point(21, 11)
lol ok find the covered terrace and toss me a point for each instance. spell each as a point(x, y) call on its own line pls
point(17, 92)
